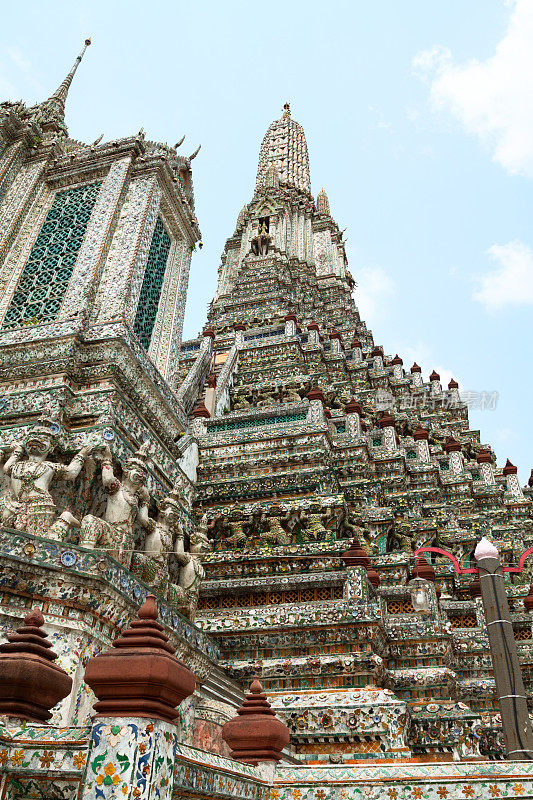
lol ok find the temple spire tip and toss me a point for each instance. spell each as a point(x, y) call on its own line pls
point(56, 101)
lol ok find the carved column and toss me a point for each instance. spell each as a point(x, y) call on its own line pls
point(397, 367)
point(453, 393)
point(388, 425)
point(316, 407)
point(455, 456)
point(511, 476)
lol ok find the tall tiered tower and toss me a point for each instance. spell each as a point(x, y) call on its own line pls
point(95, 249)
point(297, 439)
point(310, 434)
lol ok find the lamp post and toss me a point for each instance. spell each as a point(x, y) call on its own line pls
point(510, 689)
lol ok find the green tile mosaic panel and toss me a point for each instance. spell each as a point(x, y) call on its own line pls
point(254, 423)
point(46, 274)
point(152, 284)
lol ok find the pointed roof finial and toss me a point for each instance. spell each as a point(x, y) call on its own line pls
point(322, 203)
point(56, 101)
point(284, 147)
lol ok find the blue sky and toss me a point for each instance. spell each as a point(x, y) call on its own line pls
point(419, 122)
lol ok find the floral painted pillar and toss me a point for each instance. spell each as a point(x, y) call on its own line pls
point(388, 425)
point(484, 459)
point(139, 684)
point(397, 367)
point(435, 388)
point(421, 437)
point(353, 419)
point(313, 334)
point(239, 329)
point(357, 350)
point(416, 376)
point(290, 325)
point(317, 401)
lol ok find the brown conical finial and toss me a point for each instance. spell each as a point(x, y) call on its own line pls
point(373, 576)
point(201, 411)
point(255, 733)
point(452, 445)
point(474, 587)
point(148, 610)
point(30, 683)
point(140, 676)
point(353, 407)
point(528, 599)
point(420, 433)
point(355, 556)
point(509, 468)
point(423, 570)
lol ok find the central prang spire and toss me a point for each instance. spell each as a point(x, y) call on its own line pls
point(284, 148)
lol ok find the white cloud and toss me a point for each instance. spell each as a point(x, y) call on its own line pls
point(19, 59)
point(374, 289)
point(511, 283)
point(493, 98)
point(505, 435)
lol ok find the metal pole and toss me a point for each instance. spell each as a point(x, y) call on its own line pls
point(507, 673)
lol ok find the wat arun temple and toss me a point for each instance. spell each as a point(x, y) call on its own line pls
point(272, 562)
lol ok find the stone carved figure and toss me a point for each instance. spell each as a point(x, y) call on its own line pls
point(261, 242)
point(200, 542)
point(185, 594)
point(127, 500)
point(237, 536)
point(165, 536)
point(29, 506)
point(399, 536)
point(275, 532)
point(151, 566)
point(314, 530)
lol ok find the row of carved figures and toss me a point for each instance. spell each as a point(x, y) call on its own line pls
point(297, 526)
point(28, 505)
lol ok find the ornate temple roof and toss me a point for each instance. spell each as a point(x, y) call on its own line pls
point(284, 148)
